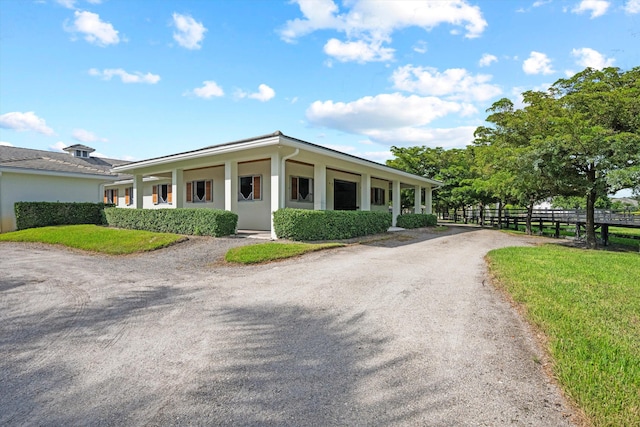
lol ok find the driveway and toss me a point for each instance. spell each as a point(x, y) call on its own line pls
point(404, 331)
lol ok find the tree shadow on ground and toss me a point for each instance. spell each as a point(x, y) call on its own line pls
point(396, 239)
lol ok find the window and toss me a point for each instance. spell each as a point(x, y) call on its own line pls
point(128, 196)
point(301, 189)
point(199, 191)
point(111, 196)
point(161, 194)
point(82, 153)
point(250, 188)
point(377, 196)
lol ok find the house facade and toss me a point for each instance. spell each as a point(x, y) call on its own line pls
point(28, 175)
point(257, 176)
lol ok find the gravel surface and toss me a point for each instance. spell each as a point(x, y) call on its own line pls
point(394, 331)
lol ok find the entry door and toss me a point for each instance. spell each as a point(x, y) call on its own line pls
point(344, 196)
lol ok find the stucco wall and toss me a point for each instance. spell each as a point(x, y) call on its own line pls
point(381, 183)
point(300, 170)
point(255, 214)
point(20, 187)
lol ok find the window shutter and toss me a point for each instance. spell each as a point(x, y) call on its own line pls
point(189, 192)
point(294, 188)
point(256, 188)
point(106, 199)
point(208, 196)
point(127, 197)
point(155, 194)
point(115, 197)
point(169, 188)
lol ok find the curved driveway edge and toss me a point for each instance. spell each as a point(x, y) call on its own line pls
point(401, 331)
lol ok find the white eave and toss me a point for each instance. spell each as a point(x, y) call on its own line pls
point(57, 173)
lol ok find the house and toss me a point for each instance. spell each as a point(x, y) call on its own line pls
point(28, 175)
point(255, 177)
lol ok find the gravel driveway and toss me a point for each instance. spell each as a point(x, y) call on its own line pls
point(401, 331)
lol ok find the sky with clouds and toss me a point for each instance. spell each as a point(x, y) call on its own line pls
point(140, 79)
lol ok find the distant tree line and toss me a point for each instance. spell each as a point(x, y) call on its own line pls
point(576, 143)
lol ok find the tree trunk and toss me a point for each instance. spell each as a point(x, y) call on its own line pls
point(590, 227)
point(481, 214)
point(500, 215)
point(529, 216)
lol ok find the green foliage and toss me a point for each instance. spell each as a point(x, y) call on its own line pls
point(264, 252)
point(303, 224)
point(416, 220)
point(587, 304)
point(94, 238)
point(42, 214)
point(206, 222)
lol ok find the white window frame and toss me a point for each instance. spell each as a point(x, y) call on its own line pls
point(131, 201)
point(194, 191)
point(162, 201)
point(375, 197)
point(295, 182)
point(250, 198)
point(111, 192)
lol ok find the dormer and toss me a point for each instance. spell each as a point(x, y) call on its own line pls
point(79, 150)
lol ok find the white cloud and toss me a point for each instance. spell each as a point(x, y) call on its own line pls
point(454, 83)
point(377, 156)
point(358, 51)
point(189, 33)
point(58, 146)
point(537, 63)
point(367, 25)
point(125, 77)
point(24, 122)
point(264, 93)
point(385, 111)
point(6, 144)
point(208, 90)
point(420, 46)
point(83, 135)
point(632, 6)
point(458, 137)
point(596, 7)
point(487, 59)
point(69, 4)
point(95, 31)
point(587, 57)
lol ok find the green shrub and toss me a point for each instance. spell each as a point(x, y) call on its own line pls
point(416, 220)
point(43, 214)
point(304, 224)
point(205, 222)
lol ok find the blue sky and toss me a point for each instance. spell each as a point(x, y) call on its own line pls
point(140, 79)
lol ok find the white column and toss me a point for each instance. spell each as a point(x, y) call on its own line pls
point(231, 186)
point(428, 200)
point(1, 219)
point(395, 211)
point(365, 192)
point(138, 191)
point(177, 188)
point(417, 199)
point(276, 182)
point(320, 187)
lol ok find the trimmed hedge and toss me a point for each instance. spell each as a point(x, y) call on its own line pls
point(304, 224)
point(195, 222)
point(44, 214)
point(416, 220)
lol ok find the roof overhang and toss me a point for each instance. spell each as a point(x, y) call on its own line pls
point(105, 178)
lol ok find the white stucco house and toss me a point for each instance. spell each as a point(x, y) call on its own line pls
point(255, 177)
point(28, 175)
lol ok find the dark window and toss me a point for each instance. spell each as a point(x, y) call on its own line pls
point(301, 189)
point(163, 193)
point(199, 191)
point(377, 196)
point(250, 188)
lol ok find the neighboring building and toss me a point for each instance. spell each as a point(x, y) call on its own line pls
point(43, 176)
point(255, 177)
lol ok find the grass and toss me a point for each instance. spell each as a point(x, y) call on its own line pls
point(264, 252)
point(587, 303)
point(94, 238)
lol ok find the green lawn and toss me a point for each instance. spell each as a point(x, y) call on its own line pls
point(264, 252)
point(95, 238)
point(588, 305)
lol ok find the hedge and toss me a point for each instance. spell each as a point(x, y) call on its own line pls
point(304, 224)
point(43, 214)
point(416, 220)
point(196, 222)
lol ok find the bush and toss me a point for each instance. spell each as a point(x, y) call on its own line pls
point(197, 222)
point(43, 214)
point(304, 224)
point(416, 220)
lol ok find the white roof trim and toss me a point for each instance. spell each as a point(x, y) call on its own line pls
point(29, 171)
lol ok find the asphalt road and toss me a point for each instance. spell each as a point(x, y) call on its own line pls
point(404, 331)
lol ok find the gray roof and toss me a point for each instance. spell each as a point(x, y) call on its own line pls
point(40, 160)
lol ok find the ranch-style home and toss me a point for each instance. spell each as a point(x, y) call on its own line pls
point(28, 175)
point(255, 177)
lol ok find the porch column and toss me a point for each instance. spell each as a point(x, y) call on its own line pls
point(365, 192)
point(417, 199)
point(177, 187)
point(138, 191)
point(276, 191)
point(320, 187)
point(395, 210)
point(231, 186)
point(428, 200)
